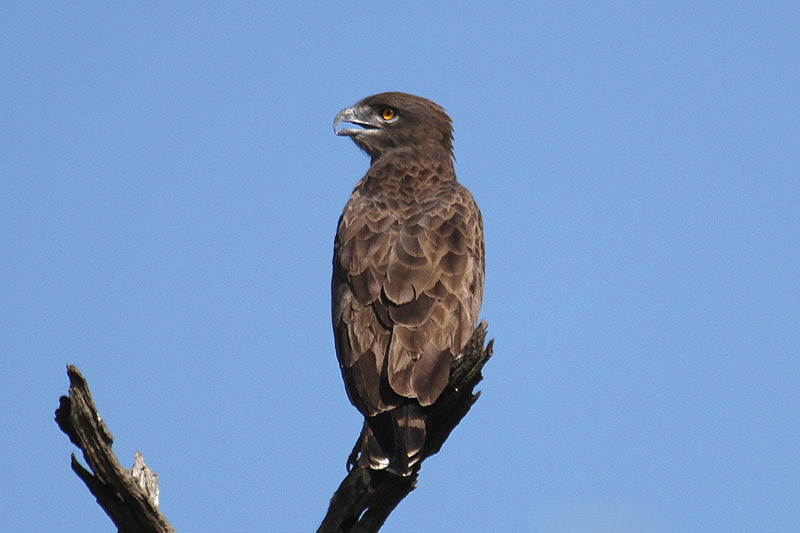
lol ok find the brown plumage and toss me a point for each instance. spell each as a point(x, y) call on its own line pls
point(408, 267)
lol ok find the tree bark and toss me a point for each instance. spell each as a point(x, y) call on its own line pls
point(361, 504)
point(365, 498)
point(129, 497)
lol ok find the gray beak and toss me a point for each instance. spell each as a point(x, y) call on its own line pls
point(345, 115)
point(351, 115)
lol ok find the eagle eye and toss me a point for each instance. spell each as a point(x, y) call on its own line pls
point(387, 113)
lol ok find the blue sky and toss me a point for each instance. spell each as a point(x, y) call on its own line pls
point(170, 186)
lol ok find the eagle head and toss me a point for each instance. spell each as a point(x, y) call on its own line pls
point(388, 121)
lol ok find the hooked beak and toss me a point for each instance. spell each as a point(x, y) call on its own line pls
point(350, 115)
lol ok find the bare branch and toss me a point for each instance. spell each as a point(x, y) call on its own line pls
point(118, 491)
point(361, 504)
point(366, 497)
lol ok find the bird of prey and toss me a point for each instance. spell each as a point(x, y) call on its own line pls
point(408, 269)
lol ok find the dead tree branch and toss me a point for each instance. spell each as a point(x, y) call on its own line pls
point(365, 498)
point(361, 504)
point(129, 497)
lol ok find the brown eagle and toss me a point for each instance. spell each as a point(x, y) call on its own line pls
point(408, 268)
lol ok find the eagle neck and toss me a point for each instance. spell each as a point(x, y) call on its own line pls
point(421, 157)
point(405, 180)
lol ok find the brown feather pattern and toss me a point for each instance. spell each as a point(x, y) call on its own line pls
point(408, 271)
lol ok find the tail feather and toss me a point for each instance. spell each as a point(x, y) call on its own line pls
point(394, 440)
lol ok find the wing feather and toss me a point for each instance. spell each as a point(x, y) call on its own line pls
point(410, 285)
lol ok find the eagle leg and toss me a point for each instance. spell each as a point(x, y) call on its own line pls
point(352, 459)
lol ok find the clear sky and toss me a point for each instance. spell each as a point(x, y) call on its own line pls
point(169, 190)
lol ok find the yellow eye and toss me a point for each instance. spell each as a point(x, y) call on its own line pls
point(388, 113)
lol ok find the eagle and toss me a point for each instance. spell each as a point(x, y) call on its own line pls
point(408, 271)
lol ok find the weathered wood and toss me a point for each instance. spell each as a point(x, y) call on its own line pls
point(361, 504)
point(118, 491)
point(365, 498)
